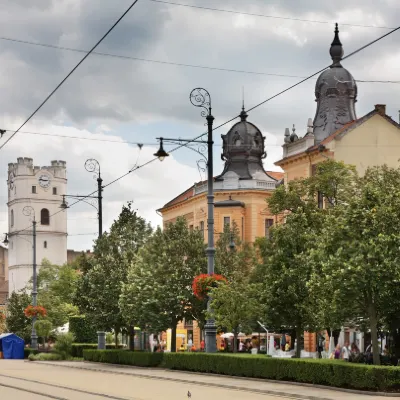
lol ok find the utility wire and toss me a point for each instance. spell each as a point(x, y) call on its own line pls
point(262, 15)
point(135, 168)
point(70, 73)
point(149, 143)
point(207, 67)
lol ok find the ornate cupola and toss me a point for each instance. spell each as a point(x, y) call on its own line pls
point(336, 94)
point(243, 150)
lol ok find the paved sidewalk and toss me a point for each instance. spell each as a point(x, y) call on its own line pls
point(284, 389)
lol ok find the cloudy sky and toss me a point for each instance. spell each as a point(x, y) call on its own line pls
point(116, 102)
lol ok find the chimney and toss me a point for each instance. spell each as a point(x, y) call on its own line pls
point(381, 109)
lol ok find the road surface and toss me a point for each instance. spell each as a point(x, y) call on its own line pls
point(24, 380)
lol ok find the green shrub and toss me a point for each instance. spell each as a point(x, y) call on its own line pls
point(63, 344)
point(28, 352)
point(124, 357)
point(83, 330)
point(77, 348)
point(45, 357)
point(322, 372)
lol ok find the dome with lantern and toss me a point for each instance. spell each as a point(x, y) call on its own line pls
point(243, 150)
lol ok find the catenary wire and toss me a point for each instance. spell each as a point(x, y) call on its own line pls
point(70, 73)
point(135, 168)
point(120, 56)
point(263, 15)
point(150, 143)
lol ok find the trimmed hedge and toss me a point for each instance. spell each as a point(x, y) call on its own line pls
point(321, 372)
point(334, 373)
point(77, 348)
point(28, 352)
point(124, 357)
point(45, 357)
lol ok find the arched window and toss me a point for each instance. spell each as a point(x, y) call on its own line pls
point(45, 216)
point(12, 217)
point(45, 244)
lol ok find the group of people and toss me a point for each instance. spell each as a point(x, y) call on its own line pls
point(346, 352)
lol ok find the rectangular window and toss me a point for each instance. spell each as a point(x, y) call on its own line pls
point(190, 227)
point(320, 200)
point(202, 227)
point(34, 189)
point(54, 190)
point(268, 225)
point(227, 221)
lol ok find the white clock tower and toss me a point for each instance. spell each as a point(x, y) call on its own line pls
point(40, 188)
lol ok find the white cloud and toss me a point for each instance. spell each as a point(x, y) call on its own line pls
point(149, 187)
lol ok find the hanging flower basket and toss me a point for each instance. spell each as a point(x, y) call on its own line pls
point(202, 284)
point(34, 311)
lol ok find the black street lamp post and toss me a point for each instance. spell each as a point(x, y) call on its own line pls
point(200, 97)
point(30, 212)
point(93, 166)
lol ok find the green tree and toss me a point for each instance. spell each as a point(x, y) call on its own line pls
point(357, 253)
point(56, 290)
point(16, 320)
point(286, 269)
point(236, 307)
point(158, 291)
point(43, 328)
point(235, 263)
point(103, 275)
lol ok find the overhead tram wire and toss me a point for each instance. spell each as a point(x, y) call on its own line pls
point(263, 15)
point(196, 66)
point(135, 168)
point(70, 73)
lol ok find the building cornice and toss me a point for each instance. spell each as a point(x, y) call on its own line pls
point(216, 194)
point(33, 200)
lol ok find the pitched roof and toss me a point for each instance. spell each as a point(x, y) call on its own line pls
point(189, 193)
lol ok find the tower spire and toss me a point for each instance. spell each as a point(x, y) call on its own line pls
point(243, 114)
point(336, 50)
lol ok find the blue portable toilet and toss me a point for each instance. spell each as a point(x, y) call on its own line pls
point(12, 346)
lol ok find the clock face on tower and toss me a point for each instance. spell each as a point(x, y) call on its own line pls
point(44, 181)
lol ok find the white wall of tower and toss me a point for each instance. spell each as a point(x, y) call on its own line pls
point(24, 189)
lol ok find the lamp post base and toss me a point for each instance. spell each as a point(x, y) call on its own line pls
point(211, 336)
point(34, 341)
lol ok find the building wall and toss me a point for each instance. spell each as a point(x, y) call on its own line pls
point(72, 255)
point(375, 142)
point(253, 214)
point(3, 274)
point(51, 240)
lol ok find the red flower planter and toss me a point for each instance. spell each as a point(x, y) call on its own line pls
point(34, 311)
point(202, 284)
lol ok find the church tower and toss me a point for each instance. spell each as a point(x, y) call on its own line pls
point(335, 94)
point(40, 188)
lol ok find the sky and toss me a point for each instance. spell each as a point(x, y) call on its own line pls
point(112, 103)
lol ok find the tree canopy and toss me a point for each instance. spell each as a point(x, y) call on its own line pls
point(158, 292)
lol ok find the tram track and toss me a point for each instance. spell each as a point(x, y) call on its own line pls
point(93, 395)
point(98, 396)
